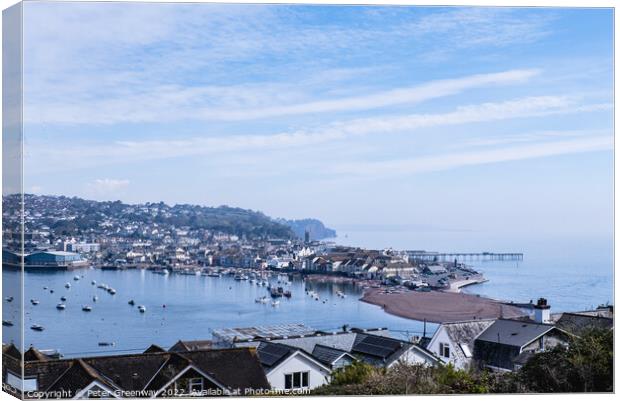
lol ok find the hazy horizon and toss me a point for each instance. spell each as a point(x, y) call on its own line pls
point(470, 119)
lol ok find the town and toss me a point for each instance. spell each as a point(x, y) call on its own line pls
point(62, 233)
point(71, 233)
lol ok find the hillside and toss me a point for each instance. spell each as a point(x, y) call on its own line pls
point(74, 216)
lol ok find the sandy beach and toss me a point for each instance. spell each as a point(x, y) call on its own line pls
point(437, 307)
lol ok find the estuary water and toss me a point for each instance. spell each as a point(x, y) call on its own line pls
point(573, 274)
point(194, 305)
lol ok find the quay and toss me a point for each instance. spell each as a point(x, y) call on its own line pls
point(447, 256)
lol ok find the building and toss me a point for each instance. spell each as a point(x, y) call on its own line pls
point(226, 338)
point(507, 344)
point(577, 324)
point(54, 259)
point(290, 368)
point(150, 374)
point(453, 342)
point(339, 349)
point(82, 247)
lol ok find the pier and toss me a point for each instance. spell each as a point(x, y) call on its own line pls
point(448, 256)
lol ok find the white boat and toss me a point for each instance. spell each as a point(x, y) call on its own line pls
point(87, 308)
point(34, 301)
point(61, 306)
point(63, 298)
point(93, 282)
point(111, 291)
point(95, 298)
point(76, 278)
point(275, 303)
point(67, 285)
point(142, 308)
point(261, 300)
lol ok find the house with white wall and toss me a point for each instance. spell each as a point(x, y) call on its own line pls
point(290, 368)
point(453, 342)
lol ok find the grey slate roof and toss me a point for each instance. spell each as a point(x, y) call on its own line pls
point(342, 341)
point(577, 323)
point(465, 332)
point(513, 332)
point(233, 368)
point(327, 355)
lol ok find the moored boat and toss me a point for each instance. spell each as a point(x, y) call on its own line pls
point(61, 306)
point(37, 327)
point(87, 308)
point(7, 323)
point(34, 301)
point(142, 308)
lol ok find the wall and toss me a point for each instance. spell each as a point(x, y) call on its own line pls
point(317, 377)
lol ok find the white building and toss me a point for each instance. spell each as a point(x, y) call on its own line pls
point(454, 342)
point(289, 368)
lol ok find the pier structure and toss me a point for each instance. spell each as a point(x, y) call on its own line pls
point(449, 256)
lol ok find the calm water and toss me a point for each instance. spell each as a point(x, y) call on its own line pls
point(572, 274)
point(194, 306)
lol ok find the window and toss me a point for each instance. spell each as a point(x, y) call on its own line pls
point(195, 385)
point(28, 384)
point(296, 380)
point(444, 350)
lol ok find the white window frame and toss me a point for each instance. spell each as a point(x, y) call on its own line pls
point(301, 380)
point(443, 347)
point(196, 382)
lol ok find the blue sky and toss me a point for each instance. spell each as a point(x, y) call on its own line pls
point(455, 118)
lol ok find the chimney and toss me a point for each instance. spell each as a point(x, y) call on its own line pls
point(542, 311)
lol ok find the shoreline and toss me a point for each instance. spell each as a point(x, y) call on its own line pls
point(439, 306)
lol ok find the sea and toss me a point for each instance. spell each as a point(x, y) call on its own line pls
point(572, 274)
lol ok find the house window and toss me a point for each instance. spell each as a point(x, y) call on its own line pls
point(444, 350)
point(196, 385)
point(28, 384)
point(296, 380)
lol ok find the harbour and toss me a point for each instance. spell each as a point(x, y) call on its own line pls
point(180, 306)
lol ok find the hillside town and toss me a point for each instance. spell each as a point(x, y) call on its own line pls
point(70, 233)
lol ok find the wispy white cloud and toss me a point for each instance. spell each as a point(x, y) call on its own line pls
point(140, 150)
point(247, 102)
point(113, 63)
point(441, 162)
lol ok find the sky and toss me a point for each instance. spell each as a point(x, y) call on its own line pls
point(476, 119)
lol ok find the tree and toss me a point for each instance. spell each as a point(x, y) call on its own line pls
point(586, 365)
